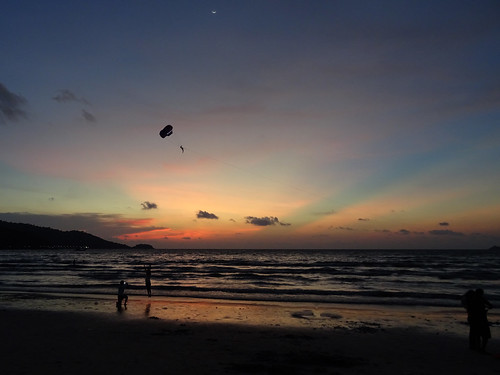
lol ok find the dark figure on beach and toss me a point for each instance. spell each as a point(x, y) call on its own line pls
point(148, 279)
point(467, 302)
point(477, 308)
point(122, 297)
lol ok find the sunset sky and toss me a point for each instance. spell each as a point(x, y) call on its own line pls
point(305, 124)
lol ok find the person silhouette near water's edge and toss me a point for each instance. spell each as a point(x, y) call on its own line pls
point(147, 269)
point(122, 297)
point(477, 307)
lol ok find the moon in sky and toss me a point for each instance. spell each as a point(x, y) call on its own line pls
point(214, 11)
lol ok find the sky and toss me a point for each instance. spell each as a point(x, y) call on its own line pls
point(305, 124)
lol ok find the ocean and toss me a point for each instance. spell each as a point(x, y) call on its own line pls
point(387, 277)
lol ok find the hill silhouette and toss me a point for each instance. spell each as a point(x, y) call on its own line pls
point(27, 236)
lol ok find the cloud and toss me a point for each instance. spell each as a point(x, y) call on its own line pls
point(344, 228)
point(444, 224)
point(404, 232)
point(206, 215)
point(264, 221)
point(10, 105)
point(363, 219)
point(88, 116)
point(65, 96)
point(325, 213)
point(149, 205)
point(445, 232)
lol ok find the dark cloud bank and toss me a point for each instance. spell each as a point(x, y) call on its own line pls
point(206, 215)
point(11, 105)
point(264, 221)
point(149, 205)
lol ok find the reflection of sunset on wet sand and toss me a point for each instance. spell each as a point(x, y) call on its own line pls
point(200, 337)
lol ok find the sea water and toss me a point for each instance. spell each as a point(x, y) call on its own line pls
point(391, 277)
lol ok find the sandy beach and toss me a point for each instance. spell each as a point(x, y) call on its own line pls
point(70, 334)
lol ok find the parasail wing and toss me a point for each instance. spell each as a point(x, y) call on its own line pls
point(166, 131)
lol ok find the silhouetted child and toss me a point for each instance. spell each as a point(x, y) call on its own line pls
point(121, 295)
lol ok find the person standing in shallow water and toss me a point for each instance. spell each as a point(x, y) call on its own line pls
point(148, 279)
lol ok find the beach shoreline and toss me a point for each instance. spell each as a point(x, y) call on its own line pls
point(199, 336)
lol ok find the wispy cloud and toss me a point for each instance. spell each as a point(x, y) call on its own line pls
point(11, 105)
point(404, 232)
point(68, 96)
point(65, 95)
point(88, 116)
point(382, 231)
point(325, 213)
point(445, 232)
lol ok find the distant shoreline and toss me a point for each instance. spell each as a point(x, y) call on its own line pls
point(27, 236)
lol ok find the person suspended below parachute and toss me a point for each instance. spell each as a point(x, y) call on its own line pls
point(167, 131)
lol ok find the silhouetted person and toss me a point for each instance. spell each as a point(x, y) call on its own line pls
point(122, 297)
point(482, 305)
point(148, 279)
point(467, 302)
point(477, 308)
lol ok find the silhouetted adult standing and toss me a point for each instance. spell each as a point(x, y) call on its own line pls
point(148, 279)
point(467, 302)
point(482, 305)
point(477, 308)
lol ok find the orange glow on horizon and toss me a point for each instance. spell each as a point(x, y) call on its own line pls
point(170, 234)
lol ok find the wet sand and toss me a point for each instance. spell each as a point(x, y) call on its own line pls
point(70, 334)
